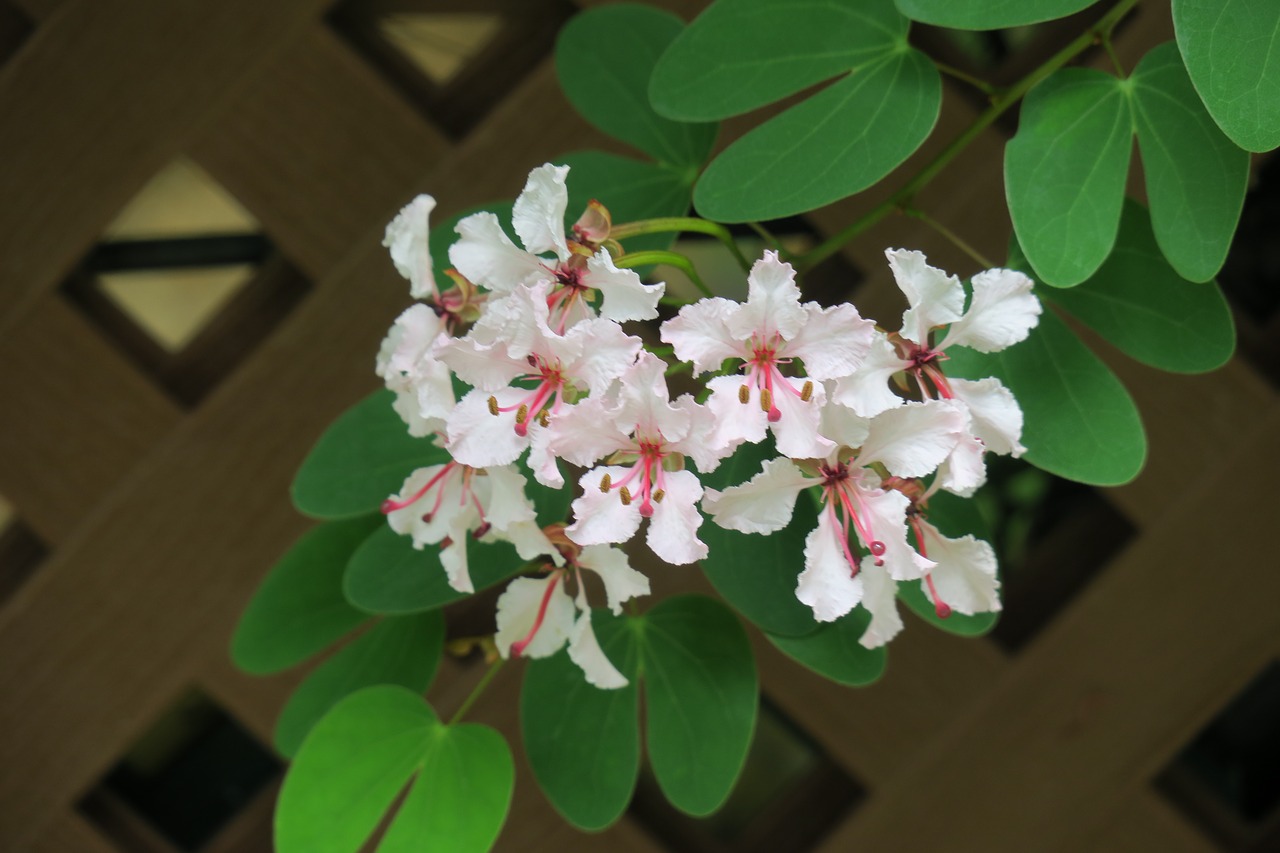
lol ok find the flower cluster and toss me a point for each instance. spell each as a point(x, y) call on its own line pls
point(866, 417)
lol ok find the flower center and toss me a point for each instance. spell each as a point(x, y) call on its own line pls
point(645, 481)
point(763, 374)
point(538, 404)
point(843, 503)
point(438, 483)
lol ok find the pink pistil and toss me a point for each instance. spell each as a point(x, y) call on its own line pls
point(649, 469)
point(551, 383)
point(518, 648)
point(939, 606)
point(840, 497)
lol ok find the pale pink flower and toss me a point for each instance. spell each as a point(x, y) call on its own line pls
point(406, 237)
point(407, 364)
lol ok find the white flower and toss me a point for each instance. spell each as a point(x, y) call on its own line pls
point(407, 364)
point(964, 579)
point(443, 504)
point(487, 257)
point(773, 328)
point(406, 237)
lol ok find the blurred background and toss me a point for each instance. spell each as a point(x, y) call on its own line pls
point(192, 197)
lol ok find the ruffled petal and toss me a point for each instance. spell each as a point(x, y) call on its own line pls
point(881, 601)
point(833, 342)
point(844, 426)
point(600, 518)
point(542, 462)
point(700, 334)
point(605, 353)
point(406, 237)
point(538, 214)
point(867, 391)
point(796, 432)
point(453, 558)
point(827, 583)
point(1003, 312)
point(585, 651)
point(673, 530)
point(936, 298)
point(885, 515)
point(995, 416)
point(482, 366)
point(913, 439)
point(965, 576)
point(485, 255)
point(625, 296)
point(518, 609)
point(763, 504)
point(586, 432)
point(773, 302)
point(621, 582)
point(964, 471)
point(479, 438)
point(733, 421)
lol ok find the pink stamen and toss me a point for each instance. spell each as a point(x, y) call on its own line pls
point(518, 648)
point(390, 505)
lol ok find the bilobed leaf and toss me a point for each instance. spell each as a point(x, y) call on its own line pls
point(604, 58)
point(402, 650)
point(1196, 176)
point(388, 575)
point(988, 14)
point(359, 757)
point(1065, 171)
point(582, 742)
point(701, 695)
point(299, 609)
point(1232, 52)
point(840, 141)
point(1139, 303)
point(743, 54)
point(833, 651)
point(954, 517)
point(757, 574)
point(1079, 421)
point(364, 456)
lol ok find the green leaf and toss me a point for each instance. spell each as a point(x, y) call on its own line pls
point(1065, 170)
point(402, 650)
point(833, 651)
point(1232, 51)
point(1142, 306)
point(604, 58)
point(988, 14)
point(840, 141)
point(753, 573)
point(743, 54)
point(701, 693)
point(299, 609)
point(359, 757)
point(1196, 176)
point(583, 743)
point(1079, 421)
point(364, 456)
point(388, 575)
point(954, 517)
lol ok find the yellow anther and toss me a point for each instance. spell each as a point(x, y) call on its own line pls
point(625, 494)
point(522, 413)
point(493, 405)
point(744, 393)
point(605, 482)
point(807, 391)
point(658, 496)
point(766, 399)
point(543, 417)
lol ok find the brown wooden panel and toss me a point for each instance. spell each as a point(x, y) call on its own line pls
point(101, 96)
point(1147, 823)
point(319, 149)
point(71, 832)
point(76, 417)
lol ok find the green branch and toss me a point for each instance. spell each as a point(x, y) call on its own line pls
point(681, 223)
point(477, 690)
point(674, 259)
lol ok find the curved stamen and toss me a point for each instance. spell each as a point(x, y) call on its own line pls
point(518, 648)
point(390, 505)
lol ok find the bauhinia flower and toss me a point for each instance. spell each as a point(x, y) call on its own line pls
point(407, 364)
point(771, 330)
point(580, 266)
point(524, 376)
point(406, 237)
point(444, 504)
point(913, 438)
point(536, 616)
point(644, 438)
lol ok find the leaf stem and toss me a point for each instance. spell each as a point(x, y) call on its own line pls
point(951, 236)
point(681, 223)
point(477, 690)
point(675, 259)
point(965, 77)
point(900, 199)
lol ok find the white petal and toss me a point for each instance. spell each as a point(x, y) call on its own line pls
point(701, 442)
point(796, 432)
point(936, 298)
point(586, 432)
point(867, 391)
point(700, 334)
point(763, 504)
point(734, 422)
point(995, 416)
point(487, 257)
point(585, 651)
point(601, 518)
point(529, 541)
point(606, 353)
point(827, 583)
point(964, 471)
point(965, 576)
point(844, 426)
point(1003, 312)
point(408, 520)
point(410, 339)
point(773, 302)
point(881, 601)
point(625, 296)
point(538, 215)
point(541, 461)
point(833, 342)
point(454, 557)
point(501, 493)
point(673, 530)
point(406, 237)
point(479, 438)
point(621, 582)
point(482, 366)
point(518, 608)
point(912, 440)
point(884, 514)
